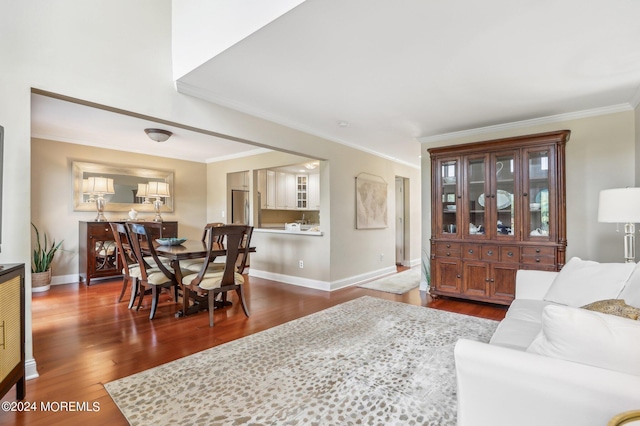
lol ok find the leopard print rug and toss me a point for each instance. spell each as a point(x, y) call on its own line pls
point(368, 361)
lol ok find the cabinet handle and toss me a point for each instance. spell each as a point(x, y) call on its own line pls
point(458, 276)
point(470, 251)
point(486, 280)
point(492, 280)
point(525, 194)
point(493, 195)
point(3, 337)
point(459, 197)
point(490, 252)
point(537, 250)
point(510, 254)
point(448, 245)
point(537, 260)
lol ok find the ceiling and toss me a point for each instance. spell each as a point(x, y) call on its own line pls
point(394, 72)
point(381, 75)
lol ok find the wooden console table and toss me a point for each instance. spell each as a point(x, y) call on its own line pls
point(98, 255)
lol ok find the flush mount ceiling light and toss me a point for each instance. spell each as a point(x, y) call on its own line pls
point(311, 166)
point(158, 135)
point(343, 123)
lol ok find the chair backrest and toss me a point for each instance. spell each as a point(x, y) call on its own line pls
point(123, 245)
point(235, 237)
point(206, 231)
point(140, 237)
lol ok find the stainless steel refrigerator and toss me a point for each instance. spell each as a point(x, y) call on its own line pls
point(240, 207)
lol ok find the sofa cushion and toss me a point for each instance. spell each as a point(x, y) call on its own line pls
point(631, 291)
point(614, 307)
point(588, 337)
point(515, 333)
point(527, 309)
point(581, 282)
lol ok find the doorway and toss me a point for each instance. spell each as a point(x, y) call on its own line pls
point(402, 222)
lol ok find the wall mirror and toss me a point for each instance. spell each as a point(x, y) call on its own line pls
point(125, 185)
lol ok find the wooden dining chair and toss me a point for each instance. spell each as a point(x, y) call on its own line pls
point(130, 267)
point(195, 265)
point(214, 282)
point(153, 278)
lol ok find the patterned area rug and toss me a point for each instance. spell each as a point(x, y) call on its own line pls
point(399, 283)
point(367, 361)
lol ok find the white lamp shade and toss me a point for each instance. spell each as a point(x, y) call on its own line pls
point(142, 190)
point(158, 189)
point(620, 205)
point(99, 185)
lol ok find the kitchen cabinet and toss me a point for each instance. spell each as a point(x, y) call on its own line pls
point(97, 248)
point(12, 355)
point(239, 180)
point(314, 191)
point(497, 206)
point(285, 191)
point(288, 191)
point(302, 192)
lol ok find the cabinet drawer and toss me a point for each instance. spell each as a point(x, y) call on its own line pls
point(509, 254)
point(490, 253)
point(101, 231)
point(471, 251)
point(538, 251)
point(448, 249)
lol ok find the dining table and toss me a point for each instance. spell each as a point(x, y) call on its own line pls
point(193, 249)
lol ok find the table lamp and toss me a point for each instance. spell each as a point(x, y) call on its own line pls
point(100, 186)
point(622, 205)
point(159, 190)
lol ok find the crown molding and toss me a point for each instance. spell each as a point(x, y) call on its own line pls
point(529, 123)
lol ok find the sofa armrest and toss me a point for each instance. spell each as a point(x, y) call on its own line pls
point(500, 386)
point(532, 284)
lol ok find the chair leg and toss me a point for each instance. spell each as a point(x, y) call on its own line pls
point(155, 297)
point(141, 293)
point(212, 299)
point(125, 281)
point(134, 291)
point(242, 302)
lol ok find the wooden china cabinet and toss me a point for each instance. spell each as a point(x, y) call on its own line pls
point(496, 206)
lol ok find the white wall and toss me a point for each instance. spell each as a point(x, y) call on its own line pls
point(599, 155)
point(118, 53)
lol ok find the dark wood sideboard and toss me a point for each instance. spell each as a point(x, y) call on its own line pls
point(98, 256)
point(12, 330)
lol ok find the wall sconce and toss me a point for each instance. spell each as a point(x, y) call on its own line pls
point(99, 187)
point(158, 135)
point(622, 205)
point(159, 190)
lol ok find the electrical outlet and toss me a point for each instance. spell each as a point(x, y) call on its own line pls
point(300, 264)
point(381, 257)
point(222, 213)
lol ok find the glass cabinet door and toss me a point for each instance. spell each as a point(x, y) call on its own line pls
point(539, 210)
point(449, 184)
point(476, 191)
point(505, 173)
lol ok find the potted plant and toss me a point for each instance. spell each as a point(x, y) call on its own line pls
point(43, 255)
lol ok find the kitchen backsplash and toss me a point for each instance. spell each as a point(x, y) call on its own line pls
point(290, 216)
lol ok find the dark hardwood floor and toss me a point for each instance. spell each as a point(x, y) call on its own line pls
point(83, 338)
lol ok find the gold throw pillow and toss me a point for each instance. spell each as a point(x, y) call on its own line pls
point(616, 307)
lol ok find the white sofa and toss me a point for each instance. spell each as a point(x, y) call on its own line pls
point(549, 361)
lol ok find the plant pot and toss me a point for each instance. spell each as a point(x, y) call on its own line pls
point(40, 281)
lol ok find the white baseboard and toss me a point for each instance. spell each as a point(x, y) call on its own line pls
point(30, 369)
point(65, 279)
point(322, 285)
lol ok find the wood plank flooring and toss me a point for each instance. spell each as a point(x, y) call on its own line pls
point(83, 338)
